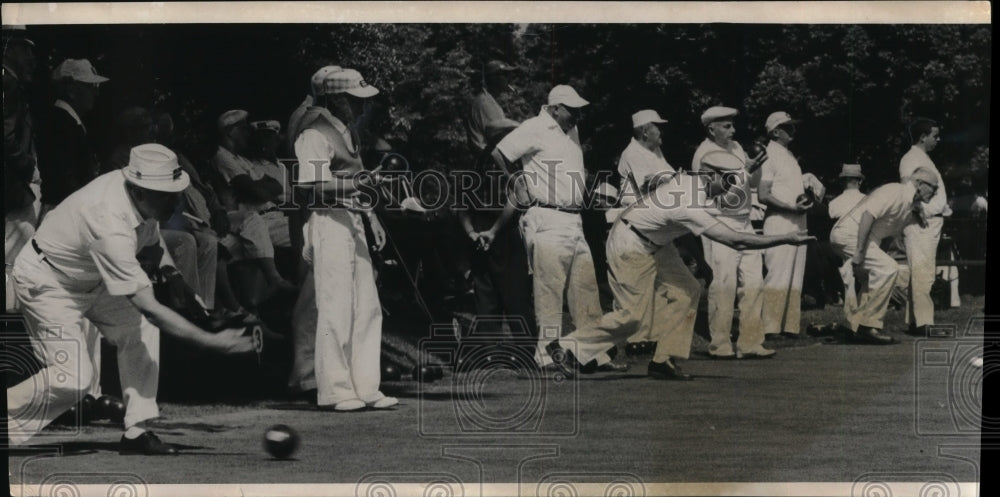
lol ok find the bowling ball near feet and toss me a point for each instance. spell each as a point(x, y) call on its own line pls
point(281, 441)
point(116, 411)
point(106, 407)
point(88, 408)
point(391, 372)
point(68, 418)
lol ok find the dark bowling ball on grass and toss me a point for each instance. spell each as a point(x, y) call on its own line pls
point(281, 441)
point(88, 408)
point(107, 407)
point(116, 411)
point(391, 372)
point(424, 374)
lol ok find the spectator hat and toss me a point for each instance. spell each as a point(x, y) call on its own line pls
point(722, 161)
point(231, 117)
point(716, 113)
point(497, 66)
point(266, 125)
point(777, 119)
point(78, 70)
point(154, 167)
point(348, 81)
point(566, 95)
point(851, 171)
point(645, 117)
point(319, 77)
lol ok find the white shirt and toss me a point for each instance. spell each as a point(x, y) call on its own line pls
point(318, 156)
point(844, 203)
point(553, 161)
point(892, 207)
point(94, 234)
point(642, 164)
point(733, 204)
point(672, 210)
point(916, 158)
point(784, 173)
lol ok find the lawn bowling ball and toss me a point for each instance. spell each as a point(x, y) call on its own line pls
point(88, 409)
point(805, 197)
point(424, 374)
point(281, 441)
point(394, 162)
point(391, 372)
point(756, 148)
point(68, 417)
point(116, 410)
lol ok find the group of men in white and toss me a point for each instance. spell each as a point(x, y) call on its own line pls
point(81, 262)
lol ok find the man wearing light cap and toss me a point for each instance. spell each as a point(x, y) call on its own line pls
point(66, 159)
point(851, 177)
point(732, 269)
point(315, 88)
point(19, 158)
point(554, 179)
point(870, 273)
point(782, 190)
point(640, 167)
point(348, 330)
point(648, 276)
point(82, 263)
point(483, 107)
point(922, 238)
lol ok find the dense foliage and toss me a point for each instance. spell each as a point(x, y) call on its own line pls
point(854, 87)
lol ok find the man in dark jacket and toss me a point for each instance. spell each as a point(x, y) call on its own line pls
point(66, 159)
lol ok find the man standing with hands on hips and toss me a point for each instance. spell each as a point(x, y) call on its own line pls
point(922, 238)
point(783, 192)
point(82, 263)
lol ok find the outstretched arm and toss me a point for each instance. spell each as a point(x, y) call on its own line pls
point(742, 241)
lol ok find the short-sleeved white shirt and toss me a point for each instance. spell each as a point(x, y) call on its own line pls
point(844, 202)
point(642, 163)
point(892, 207)
point(734, 204)
point(553, 161)
point(92, 237)
point(916, 158)
point(784, 173)
point(675, 211)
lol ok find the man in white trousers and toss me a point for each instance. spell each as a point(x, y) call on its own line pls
point(922, 239)
point(646, 273)
point(641, 165)
point(349, 315)
point(736, 274)
point(82, 263)
point(870, 274)
point(781, 190)
point(555, 179)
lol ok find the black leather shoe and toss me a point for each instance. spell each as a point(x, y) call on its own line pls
point(608, 367)
point(666, 371)
point(871, 336)
point(147, 444)
point(563, 359)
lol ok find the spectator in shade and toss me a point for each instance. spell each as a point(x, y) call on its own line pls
point(248, 197)
point(19, 159)
point(483, 107)
point(66, 159)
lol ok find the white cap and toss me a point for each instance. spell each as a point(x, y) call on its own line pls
point(79, 70)
point(566, 95)
point(154, 167)
point(231, 117)
point(722, 161)
point(777, 119)
point(718, 112)
point(645, 117)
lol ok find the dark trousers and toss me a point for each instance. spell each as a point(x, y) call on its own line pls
point(502, 285)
